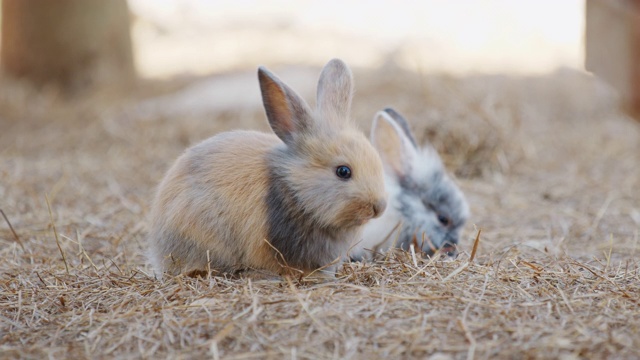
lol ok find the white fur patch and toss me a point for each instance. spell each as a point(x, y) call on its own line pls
point(426, 163)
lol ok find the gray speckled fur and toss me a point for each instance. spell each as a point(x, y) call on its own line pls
point(418, 202)
point(302, 240)
point(437, 194)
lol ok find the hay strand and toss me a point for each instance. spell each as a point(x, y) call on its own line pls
point(476, 242)
point(55, 234)
point(15, 235)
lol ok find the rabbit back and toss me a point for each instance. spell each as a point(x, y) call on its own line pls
point(212, 200)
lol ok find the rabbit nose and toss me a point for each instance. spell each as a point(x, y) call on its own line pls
point(450, 250)
point(378, 207)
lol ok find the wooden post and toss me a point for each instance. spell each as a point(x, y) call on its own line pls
point(613, 47)
point(72, 43)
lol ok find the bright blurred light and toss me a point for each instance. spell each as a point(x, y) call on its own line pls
point(462, 36)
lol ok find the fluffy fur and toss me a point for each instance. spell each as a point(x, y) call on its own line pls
point(425, 205)
point(246, 199)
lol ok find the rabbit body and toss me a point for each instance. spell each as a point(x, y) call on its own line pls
point(246, 199)
point(426, 207)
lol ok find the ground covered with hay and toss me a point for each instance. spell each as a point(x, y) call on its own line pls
point(549, 165)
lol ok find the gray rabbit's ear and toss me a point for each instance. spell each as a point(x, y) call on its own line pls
point(404, 124)
point(395, 148)
point(335, 92)
point(288, 113)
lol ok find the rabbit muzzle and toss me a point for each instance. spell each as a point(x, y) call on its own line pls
point(450, 250)
point(378, 207)
point(358, 213)
point(373, 209)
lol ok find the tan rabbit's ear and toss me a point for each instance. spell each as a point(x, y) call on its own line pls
point(335, 92)
point(394, 146)
point(287, 112)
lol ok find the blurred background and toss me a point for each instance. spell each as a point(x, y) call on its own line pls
point(459, 37)
point(98, 98)
point(166, 38)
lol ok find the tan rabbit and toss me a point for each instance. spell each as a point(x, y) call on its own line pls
point(246, 199)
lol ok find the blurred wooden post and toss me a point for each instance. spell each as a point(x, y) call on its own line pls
point(72, 43)
point(613, 47)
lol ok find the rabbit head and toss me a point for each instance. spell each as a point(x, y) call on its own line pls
point(426, 207)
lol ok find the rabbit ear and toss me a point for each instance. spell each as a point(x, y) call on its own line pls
point(404, 124)
point(394, 146)
point(335, 91)
point(287, 112)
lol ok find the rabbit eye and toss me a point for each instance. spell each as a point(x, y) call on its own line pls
point(443, 220)
point(343, 172)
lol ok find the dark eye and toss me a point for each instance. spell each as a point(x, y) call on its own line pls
point(443, 220)
point(343, 172)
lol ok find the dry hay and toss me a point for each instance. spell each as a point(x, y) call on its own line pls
point(499, 305)
point(550, 170)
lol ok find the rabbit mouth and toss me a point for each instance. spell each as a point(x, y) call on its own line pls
point(429, 248)
point(360, 222)
point(356, 220)
point(447, 250)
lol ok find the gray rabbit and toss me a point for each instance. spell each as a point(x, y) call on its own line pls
point(425, 205)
